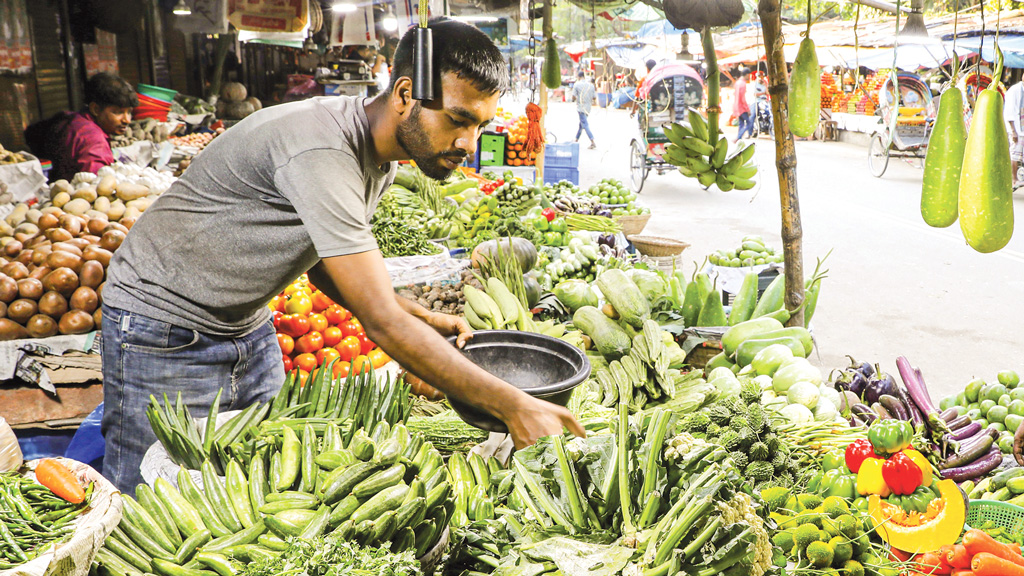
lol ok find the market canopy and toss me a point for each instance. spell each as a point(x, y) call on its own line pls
point(1011, 45)
point(635, 55)
point(664, 28)
point(911, 56)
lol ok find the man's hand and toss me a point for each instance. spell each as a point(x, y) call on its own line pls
point(449, 325)
point(531, 418)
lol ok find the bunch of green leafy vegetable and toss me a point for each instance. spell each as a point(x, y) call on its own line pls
point(332, 556)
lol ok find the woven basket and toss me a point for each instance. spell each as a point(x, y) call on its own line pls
point(633, 224)
point(657, 246)
point(1002, 514)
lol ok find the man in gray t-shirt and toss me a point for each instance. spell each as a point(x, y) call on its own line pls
point(584, 94)
point(291, 189)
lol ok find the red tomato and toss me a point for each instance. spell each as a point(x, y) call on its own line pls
point(360, 364)
point(350, 328)
point(336, 315)
point(305, 362)
point(359, 325)
point(332, 335)
point(317, 322)
point(286, 343)
point(365, 345)
point(287, 363)
point(310, 343)
point(277, 319)
point(321, 302)
point(277, 303)
point(378, 358)
point(324, 356)
point(349, 348)
point(294, 325)
point(299, 303)
point(342, 368)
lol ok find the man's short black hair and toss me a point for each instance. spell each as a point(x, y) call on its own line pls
point(580, 74)
point(108, 89)
point(650, 65)
point(459, 48)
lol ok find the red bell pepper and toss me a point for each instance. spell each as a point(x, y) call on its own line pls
point(857, 453)
point(901, 474)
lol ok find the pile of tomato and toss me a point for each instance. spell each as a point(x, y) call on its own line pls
point(313, 331)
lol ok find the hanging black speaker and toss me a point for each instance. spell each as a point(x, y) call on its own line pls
point(423, 65)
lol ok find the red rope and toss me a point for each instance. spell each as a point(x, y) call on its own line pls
point(534, 135)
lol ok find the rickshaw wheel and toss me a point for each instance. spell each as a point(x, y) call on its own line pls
point(878, 156)
point(638, 168)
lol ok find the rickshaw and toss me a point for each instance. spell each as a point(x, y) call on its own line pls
point(906, 135)
point(669, 89)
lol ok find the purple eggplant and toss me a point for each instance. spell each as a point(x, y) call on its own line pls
point(604, 212)
point(919, 395)
point(864, 412)
point(894, 406)
point(864, 368)
point(969, 450)
point(966, 432)
point(884, 384)
point(606, 240)
point(959, 422)
point(988, 462)
point(950, 414)
point(858, 382)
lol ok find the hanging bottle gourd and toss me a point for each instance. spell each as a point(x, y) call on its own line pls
point(945, 158)
point(805, 87)
point(552, 72)
point(986, 182)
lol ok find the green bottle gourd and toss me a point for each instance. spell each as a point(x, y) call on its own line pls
point(712, 313)
point(805, 91)
point(944, 161)
point(552, 72)
point(986, 183)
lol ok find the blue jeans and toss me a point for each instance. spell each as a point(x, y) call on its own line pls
point(143, 356)
point(584, 125)
point(746, 125)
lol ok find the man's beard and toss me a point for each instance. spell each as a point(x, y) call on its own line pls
point(415, 141)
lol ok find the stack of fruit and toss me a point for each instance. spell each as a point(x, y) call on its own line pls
point(312, 331)
point(614, 192)
point(829, 89)
point(515, 155)
point(999, 405)
point(752, 252)
point(706, 157)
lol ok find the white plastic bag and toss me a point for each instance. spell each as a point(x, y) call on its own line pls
point(10, 451)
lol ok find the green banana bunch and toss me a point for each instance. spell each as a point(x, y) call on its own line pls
point(698, 155)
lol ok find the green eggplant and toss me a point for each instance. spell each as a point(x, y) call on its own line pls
point(944, 161)
point(986, 183)
point(805, 91)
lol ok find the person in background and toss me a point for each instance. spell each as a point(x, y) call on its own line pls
point(650, 64)
point(740, 108)
point(584, 94)
point(80, 141)
point(1013, 115)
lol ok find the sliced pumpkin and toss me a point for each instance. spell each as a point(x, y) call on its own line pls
point(915, 532)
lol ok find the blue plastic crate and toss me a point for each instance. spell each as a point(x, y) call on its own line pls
point(565, 155)
point(554, 174)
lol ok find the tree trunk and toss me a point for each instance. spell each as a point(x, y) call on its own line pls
point(785, 157)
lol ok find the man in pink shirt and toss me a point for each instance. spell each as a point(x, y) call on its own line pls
point(80, 141)
point(740, 108)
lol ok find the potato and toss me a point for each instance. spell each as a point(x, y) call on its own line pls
point(13, 248)
point(84, 299)
point(128, 222)
point(71, 223)
point(80, 243)
point(98, 224)
point(52, 210)
point(61, 199)
point(117, 226)
point(27, 228)
point(112, 239)
point(40, 253)
point(131, 213)
point(91, 275)
point(25, 257)
point(106, 187)
point(15, 270)
point(97, 318)
point(30, 288)
point(63, 280)
point(22, 309)
point(127, 191)
point(59, 186)
point(75, 322)
point(98, 254)
point(47, 221)
point(41, 326)
point(39, 272)
point(37, 241)
point(102, 204)
point(56, 235)
point(53, 305)
point(87, 193)
point(11, 330)
point(6, 229)
point(71, 246)
point(116, 210)
point(33, 216)
point(61, 259)
point(8, 288)
point(141, 204)
point(78, 206)
point(17, 216)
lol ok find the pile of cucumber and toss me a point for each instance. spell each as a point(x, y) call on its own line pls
point(751, 252)
point(303, 480)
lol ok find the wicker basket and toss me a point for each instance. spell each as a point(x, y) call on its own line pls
point(657, 246)
point(1004, 515)
point(633, 224)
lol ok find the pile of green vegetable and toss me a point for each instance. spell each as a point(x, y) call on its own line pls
point(33, 520)
point(752, 252)
point(998, 406)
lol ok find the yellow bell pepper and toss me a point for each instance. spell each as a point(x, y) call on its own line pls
point(869, 479)
point(923, 464)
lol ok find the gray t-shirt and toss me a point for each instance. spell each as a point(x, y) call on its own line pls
point(262, 204)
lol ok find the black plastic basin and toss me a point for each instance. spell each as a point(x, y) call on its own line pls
point(541, 366)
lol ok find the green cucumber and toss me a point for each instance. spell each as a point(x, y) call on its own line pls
point(218, 496)
point(335, 459)
point(169, 568)
point(343, 484)
point(294, 496)
point(388, 499)
point(404, 540)
point(272, 542)
point(136, 558)
point(188, 548)
point(282, 505)
point(379, 481)
point(388, 452)
point(316, 526)
point(219, 563)
point(246, 536)
point(383, 527)
point(192, 493)
point(438, 494)
point(344, 509)
point(408, 511)
point(361, 446)
point(1016, 485)
point(137, 514)
point(149, 500)
point(186, 517)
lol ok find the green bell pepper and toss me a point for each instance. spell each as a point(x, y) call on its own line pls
point(834, 460)
point(890, 436)
point(919, 500)
point(814, 484)
point(559, 225)
point(861, 504)
point(552, 239)
point(827, 479)
point(844, 486)
point(540, 224)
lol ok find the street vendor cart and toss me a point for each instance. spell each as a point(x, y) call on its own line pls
point(665, 95)
point(906, 123)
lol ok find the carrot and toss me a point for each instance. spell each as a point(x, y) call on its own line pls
point(958, 557)
point(1015, 546)
point(977, 542)
point(986, 564)
point(897, 555)
point(60, 481)
point(930, 563)
point(961, 572)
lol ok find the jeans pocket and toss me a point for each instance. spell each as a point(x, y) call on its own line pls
point(144, 334)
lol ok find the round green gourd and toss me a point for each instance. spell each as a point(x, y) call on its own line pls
point(805, 91)
point(944, 161)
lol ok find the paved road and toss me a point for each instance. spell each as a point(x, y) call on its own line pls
point(895, 286)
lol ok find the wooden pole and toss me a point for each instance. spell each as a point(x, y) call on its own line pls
point(785, 157)
point(548, 33)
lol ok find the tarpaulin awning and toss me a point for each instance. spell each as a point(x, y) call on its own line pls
point(1012, 47)
point(635, 56)
point(827, 55)
point(911, 56)
point(664, 28)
